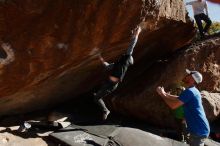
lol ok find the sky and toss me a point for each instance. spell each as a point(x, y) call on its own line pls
point(213, 9)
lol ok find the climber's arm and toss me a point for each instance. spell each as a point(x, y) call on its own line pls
point(107, 65)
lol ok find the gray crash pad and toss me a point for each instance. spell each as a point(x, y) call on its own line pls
point(109, 135)
point(210, 142)
point(76, 135)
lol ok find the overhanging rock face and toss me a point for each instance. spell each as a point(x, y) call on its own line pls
point(47, 53)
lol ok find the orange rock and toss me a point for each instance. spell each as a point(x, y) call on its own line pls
point(52, 42)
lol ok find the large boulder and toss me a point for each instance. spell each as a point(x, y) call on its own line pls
point(49, 55)
point(211, 102)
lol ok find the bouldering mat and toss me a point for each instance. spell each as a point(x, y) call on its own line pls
point(109, 135)
point(76, 135)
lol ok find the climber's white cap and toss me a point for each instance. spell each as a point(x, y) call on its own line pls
point(196, 75)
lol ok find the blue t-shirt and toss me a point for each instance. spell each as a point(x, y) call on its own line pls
point(196, 120)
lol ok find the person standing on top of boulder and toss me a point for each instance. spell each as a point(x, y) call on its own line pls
point(199, 15)
point(197, 123)
point(118, 70)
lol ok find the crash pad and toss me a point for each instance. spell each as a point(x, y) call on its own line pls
point(77, 135)
point(109, 135)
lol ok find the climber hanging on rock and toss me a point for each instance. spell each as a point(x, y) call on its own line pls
point(117, 73)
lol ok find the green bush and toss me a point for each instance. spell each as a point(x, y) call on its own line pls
point(215, 28)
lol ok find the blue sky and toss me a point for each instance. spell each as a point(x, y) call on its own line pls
point(214, 10)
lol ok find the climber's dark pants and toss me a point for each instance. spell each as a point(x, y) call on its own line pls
point(199, 19)
point(106, 88)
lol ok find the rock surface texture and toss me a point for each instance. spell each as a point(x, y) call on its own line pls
point(142, 100)
point(211, 101)
point(47, 48)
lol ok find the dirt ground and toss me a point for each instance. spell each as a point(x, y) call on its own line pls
point(10, 135)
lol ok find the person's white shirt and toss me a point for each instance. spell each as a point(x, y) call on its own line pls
point(198, 7)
